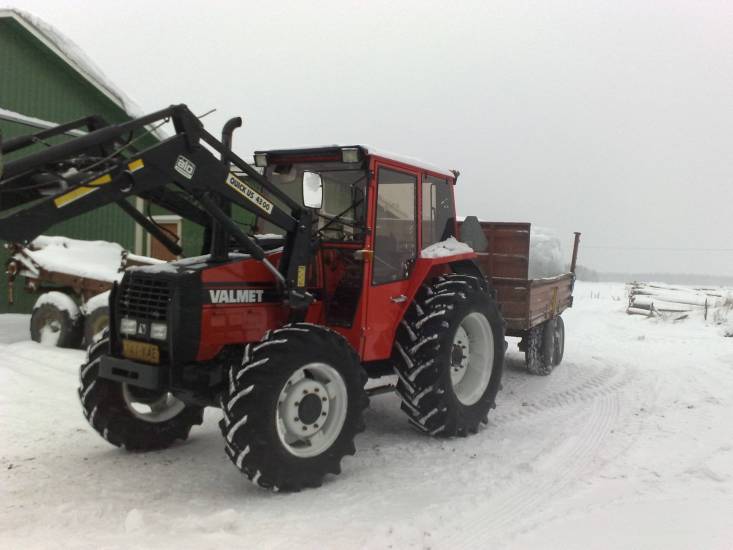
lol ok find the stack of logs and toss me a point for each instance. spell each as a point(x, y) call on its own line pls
point(675, 302)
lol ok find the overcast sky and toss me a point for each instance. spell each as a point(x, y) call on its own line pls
point(610, 118)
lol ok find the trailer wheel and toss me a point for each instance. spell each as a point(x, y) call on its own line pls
point(131, 417)
point(55, 321)
point(293, 406)
point(449, 356)
point(95, 322)
point(539, 348)
point(559, 350)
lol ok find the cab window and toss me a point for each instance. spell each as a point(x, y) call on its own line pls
point(395, 237)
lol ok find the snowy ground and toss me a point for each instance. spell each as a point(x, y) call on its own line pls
point(628, 444)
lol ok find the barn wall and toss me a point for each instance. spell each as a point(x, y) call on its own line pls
point(36, 82)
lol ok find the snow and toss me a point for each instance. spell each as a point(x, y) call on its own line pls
point(100, 260)
point(626, 445)
point(545, 253)
point(62, 301)
point(32, 121)
point(96, 302)
point(443, 249)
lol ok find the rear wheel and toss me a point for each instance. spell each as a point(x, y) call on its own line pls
point(55, 321)
point(449, 355)
point(559, 350)
point(539, 348)
point(293, 406)
point(131, 417)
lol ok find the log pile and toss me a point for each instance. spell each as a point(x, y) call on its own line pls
point(676, 302)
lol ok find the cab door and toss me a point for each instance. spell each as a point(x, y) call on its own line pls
point(394, 253)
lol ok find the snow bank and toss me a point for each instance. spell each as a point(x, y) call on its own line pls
point(545, 253)
point(99, 260)
point(449, 247)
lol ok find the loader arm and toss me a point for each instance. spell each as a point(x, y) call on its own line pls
point(65, 180)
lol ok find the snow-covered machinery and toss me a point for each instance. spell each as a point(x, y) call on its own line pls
point(73, 278)
point(363, 277)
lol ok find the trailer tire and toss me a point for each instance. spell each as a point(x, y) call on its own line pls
point(55, 321)
point(95, 322)
point(559, 350)
point(449, 356)
point(110, 408)
point(539, 348)
point(293, 406)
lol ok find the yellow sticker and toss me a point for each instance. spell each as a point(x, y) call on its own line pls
point(82, 191)
point(248, 193)
point(135, 165)
point(301, 275)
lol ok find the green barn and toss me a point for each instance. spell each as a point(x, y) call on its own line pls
point(46, 80)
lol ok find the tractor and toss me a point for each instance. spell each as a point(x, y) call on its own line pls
point(353, 272)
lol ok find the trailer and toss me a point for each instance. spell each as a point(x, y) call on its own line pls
point(531, 308)
point(72, 279)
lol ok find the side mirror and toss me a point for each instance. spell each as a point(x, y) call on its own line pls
point(312, 190)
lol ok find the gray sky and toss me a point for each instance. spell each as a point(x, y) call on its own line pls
point(611, 118)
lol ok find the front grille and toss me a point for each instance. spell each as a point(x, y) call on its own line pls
point(143, 297)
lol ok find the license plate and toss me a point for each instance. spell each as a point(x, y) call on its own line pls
point(141, 351)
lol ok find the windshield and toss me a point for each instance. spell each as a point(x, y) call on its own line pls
point(341, 216)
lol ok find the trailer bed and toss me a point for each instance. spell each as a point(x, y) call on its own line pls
point(503, 253)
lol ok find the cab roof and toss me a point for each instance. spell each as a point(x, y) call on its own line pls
point(325, 153)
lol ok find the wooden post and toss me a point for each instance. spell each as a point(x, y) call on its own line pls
point(575, 252)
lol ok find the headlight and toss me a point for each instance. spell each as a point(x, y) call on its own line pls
point(350, 154)
point(128, 326)
point(260, 160)
point(158, 331)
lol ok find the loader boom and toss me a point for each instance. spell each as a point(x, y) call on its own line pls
point(87, 172)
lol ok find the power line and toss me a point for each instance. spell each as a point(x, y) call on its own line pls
point(648, 248)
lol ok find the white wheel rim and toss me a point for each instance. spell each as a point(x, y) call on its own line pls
point(472, 358)
point(161, 410)
point(317, 393)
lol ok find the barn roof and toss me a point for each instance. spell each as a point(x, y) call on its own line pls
point(73, 56)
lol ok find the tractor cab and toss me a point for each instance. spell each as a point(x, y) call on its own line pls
point(374, 213)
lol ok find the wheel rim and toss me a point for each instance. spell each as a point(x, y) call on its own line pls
point(311, 410)
point(472, 358)
point(156, 409)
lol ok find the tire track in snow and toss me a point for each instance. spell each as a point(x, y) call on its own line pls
point(521, 502)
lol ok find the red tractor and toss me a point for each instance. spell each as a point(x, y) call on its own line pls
point(355, 273)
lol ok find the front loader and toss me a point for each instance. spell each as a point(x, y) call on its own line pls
point(355, 273)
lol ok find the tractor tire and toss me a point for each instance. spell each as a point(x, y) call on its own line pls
point(134, 418)
point(449, 356)
point(539, 348)
point(95, 322)
point(55, 321)
point(293, 406)
point(559, 350)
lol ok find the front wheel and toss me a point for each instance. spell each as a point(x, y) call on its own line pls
point(293, 406)
point(128, 416)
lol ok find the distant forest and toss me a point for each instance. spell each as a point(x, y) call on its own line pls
point(591, 275)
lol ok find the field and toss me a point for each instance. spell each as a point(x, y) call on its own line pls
point(628, 444)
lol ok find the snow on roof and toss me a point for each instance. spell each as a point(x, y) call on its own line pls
point(408, 160)
point(34, 122)
point(75, 57)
